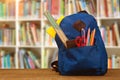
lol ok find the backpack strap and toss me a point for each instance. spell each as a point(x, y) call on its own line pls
point(54, 65)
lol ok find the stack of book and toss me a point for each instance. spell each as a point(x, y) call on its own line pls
point(6, 60)
point(28, 59)
point(7, 34)
point(31, 32)
point(110, 34)
point(113, 62)
point(7, 9)
point(66, 7)
point(109, 8)
point(30, 8)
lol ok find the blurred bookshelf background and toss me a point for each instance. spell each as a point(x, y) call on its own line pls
point(24, 43)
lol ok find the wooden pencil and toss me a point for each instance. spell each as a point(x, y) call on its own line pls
point(92, 37)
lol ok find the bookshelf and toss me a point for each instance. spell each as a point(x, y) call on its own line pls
point(27, 27)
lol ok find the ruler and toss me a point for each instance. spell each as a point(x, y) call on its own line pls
point(57, 28)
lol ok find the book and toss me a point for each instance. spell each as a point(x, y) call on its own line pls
point(1, 10)
point(83, 4)
point(111, 34)
point(113, 61)
point(8, 62)
point(66, 7)
point(33, 28)
point(23, 32)
point(109, 63)
point(12, 60)
point(29, 35)
point(31, 63)
point(102, 11)
point(114, 35)
point(109, 6)
point(55, 8)
point(13, 37)
point(115, 8)
point(105, 8)
point(103, 33)
point(26, 62)
point(116, 28)
point(34, 58)
point(33, 5)
point(90, 4)
point(21, 7)
point(37, 9)
point(62, 7)
point(70, 7)
point(2, 53)
point(1, 37)
point(21, 53)
point(78, 8)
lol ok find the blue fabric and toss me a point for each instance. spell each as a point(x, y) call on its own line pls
point(87, 60)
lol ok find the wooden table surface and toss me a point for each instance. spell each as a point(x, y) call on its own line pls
point(48, 74)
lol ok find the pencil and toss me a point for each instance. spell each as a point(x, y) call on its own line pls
point(88, 37)
point(92, 37)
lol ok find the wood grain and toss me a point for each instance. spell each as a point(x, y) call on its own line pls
point(48, 74)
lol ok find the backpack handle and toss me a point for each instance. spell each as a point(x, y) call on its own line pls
point(54, 65)
point(78, 25)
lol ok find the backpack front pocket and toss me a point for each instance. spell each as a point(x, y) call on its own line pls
point(79, 59)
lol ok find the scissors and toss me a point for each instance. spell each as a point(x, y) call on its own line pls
point(81, 40)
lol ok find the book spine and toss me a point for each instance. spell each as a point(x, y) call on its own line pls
point(34, 33)
point(21, 58)
point(34, 59)
point(21, 7)
point(8, 61)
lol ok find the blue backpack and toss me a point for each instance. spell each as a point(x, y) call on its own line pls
point(80, 59)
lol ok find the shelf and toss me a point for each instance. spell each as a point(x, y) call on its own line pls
point(107, 18)
point(114, 47)
point(55, 46)
point(29, 19)
point(7, 46)
point(9, 19)
point(29, 46)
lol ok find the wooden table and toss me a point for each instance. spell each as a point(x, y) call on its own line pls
point(48, 74)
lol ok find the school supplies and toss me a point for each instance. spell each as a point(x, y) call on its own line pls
point(88, 37)
point(51, 30)
point(79, 59)
point(78, 41)
point(83, 36)
point(57, 28)
point(81, 40)
point(92, 37)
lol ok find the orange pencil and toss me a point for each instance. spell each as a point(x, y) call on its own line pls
point(92, 37)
